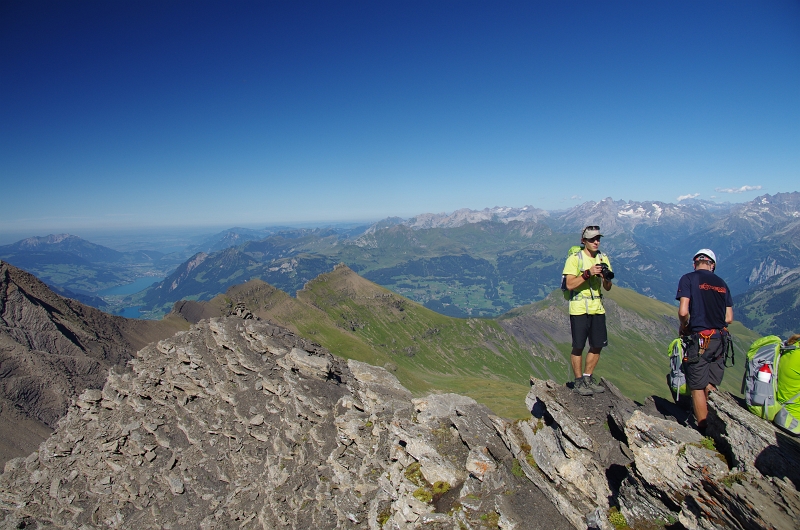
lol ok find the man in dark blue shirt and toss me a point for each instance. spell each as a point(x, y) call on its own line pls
point(706, 308)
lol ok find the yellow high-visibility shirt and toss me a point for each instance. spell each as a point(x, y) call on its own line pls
point(587, 298)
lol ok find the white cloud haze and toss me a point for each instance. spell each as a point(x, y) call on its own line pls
point(688, 196)
point(738, 190)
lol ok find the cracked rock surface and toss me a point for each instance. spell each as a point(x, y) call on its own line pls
point(51, 349)
point(238, 423)
point(605, 456)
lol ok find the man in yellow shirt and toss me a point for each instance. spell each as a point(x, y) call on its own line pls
point(585, 272)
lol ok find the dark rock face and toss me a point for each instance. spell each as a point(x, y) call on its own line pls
point(51, 349)
point(240, 423)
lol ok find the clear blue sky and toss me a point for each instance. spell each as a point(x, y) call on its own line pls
point(119, 114)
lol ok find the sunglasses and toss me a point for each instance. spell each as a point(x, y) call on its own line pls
point(594, 239)
point(589, 228)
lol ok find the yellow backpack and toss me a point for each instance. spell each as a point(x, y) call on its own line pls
point(771, 383)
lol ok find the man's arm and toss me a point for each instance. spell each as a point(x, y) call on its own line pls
point(683, 314)
point(573, 282)
point(728, 315)
point(572, 273)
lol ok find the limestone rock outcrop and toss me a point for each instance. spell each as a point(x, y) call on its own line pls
point(51, 349)
point(634, 464)
point(239, 423)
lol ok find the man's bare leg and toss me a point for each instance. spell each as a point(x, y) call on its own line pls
point(700, 405)
point(576, 358)
point(591, 360)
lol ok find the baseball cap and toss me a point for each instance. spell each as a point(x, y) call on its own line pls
point(591, 231)
point(705, 252)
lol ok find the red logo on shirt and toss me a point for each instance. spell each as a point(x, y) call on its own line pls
point(709, 287)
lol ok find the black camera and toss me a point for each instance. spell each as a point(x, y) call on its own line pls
point(607, 273)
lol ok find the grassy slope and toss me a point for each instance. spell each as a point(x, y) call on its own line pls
point(355, 318)
point(635, 359)
point(426, 350)
point(653, 309)
point(774, 307)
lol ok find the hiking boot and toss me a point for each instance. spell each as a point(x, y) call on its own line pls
point(580, 387)
point(591, 383)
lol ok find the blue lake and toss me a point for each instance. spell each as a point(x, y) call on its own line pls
point(130, 312)
point(130, 288)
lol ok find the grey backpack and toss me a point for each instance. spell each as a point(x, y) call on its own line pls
point(676, 379)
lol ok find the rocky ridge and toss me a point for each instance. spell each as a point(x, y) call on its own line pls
point(51, 349)
point(641, 217)
point(240, 423)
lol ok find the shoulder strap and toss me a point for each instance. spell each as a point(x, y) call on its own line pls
point(597, 259)
point(580, 265)
point(785, 419)
point(792, 400)
point(727, 346)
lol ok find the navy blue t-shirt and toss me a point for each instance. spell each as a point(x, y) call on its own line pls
point(708, 296)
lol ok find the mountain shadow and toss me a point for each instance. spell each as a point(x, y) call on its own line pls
point(51, 349)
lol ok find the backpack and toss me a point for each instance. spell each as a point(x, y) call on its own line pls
point(572, 250)
point(676, 379)
point(762, 379)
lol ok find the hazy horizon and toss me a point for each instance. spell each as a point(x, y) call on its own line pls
point(108, 236)
point(120, 115)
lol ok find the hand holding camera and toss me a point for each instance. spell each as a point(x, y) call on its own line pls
point(601, 269)
point(607, 273)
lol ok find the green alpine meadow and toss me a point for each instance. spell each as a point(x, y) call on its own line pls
point(488, 359)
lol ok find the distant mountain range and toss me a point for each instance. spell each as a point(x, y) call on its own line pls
point(475, 263)
point(483, 263)
point(73, 265)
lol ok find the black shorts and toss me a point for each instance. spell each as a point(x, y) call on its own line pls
point(592, 327)
point(709, 369)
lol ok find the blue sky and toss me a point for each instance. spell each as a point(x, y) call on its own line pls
point(138, 114)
